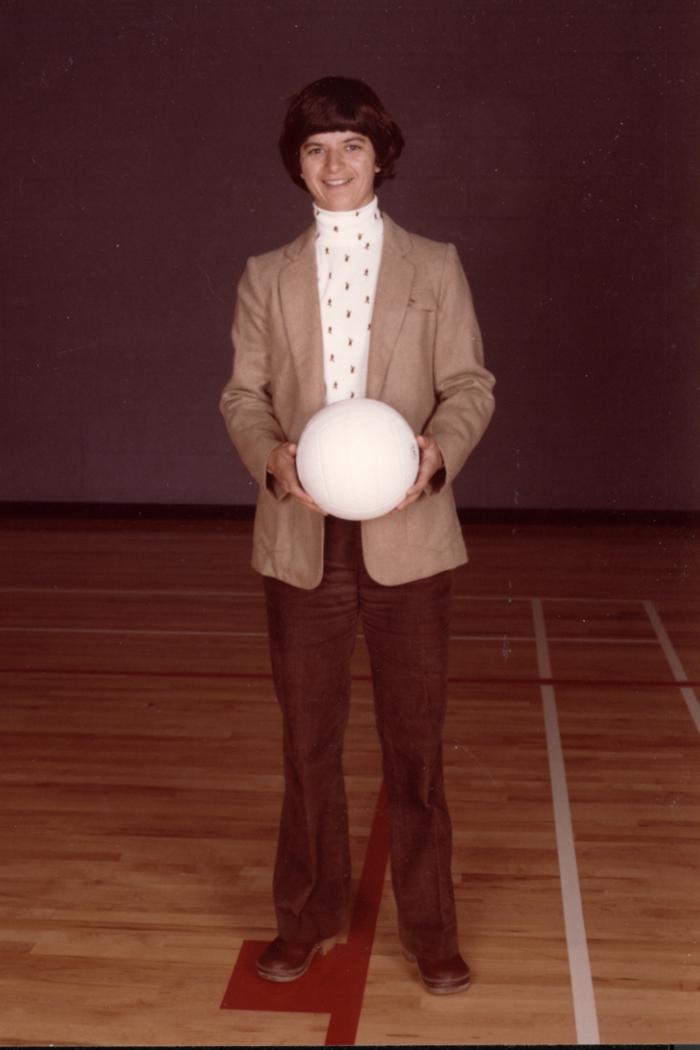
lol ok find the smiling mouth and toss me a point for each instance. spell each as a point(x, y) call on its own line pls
point(336, 182)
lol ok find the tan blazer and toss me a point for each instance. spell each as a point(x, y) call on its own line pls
point(425, 359)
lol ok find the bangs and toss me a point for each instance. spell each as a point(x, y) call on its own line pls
point(337, 114)
point(319, 127)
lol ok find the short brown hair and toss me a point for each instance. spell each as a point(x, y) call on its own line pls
point(340, 104)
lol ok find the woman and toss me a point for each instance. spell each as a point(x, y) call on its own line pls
point(357, 307)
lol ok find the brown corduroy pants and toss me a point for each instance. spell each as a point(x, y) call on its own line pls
point(312, 634)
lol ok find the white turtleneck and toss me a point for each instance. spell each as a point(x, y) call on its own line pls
point(348, 254)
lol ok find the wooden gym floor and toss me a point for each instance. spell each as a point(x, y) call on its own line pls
point(141, 789)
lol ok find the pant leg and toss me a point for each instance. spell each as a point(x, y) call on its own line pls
point(407, 632)
point(312, 634)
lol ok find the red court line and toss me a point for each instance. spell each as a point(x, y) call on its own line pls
point(622, 683)
point(334, 984)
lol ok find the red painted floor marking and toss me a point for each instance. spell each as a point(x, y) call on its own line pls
point(334, 984)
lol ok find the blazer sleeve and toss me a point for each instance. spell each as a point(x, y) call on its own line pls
point(463, 386)
point(246, 400)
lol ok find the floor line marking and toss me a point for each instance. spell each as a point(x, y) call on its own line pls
point(195, 633)
point(133, 592)
point(574, 683)
point(258, 594)
point(594, 640)
point(674, 662)
point(584, 599)
point(585, 1013)
point(148, 631)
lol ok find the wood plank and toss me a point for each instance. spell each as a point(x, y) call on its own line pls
point(618, 662)
point(623, 621)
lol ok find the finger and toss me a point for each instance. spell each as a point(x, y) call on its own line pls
point(416, 490)
point(422, 478)
point(425, 444)
point(430, 450)
point(407, 501)
point(302, 495)
point(298, 492)
point(308, 502)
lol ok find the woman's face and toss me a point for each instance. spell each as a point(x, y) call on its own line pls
point(338, 168)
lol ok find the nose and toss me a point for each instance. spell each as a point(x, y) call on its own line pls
point(333, 160)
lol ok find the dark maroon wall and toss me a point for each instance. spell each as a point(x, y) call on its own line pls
point(556, 143)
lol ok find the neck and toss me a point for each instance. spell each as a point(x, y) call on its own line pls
point(339, 225)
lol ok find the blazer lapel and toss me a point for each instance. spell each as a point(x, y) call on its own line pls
point(394, 285)
point(302, 317)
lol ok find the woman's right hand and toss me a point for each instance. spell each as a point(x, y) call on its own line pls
point(282, 464)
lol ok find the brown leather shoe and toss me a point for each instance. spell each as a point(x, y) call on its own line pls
point(287, 960)
point(442, 976)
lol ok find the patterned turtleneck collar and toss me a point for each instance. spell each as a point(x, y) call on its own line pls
point(347, 227)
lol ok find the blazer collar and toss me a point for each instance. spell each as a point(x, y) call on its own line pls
point(302, 314)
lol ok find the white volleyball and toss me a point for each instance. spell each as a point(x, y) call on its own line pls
point(356, 458)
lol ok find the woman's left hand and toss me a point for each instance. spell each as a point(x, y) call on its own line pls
point(430, 462)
